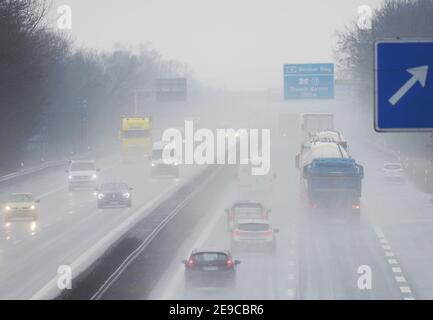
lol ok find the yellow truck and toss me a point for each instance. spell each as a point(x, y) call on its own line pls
point(136, 137)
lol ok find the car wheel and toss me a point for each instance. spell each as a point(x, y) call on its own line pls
point(99, 205)
point(129, 204)
point(35, 217)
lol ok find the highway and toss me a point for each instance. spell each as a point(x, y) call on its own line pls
point(317, 256)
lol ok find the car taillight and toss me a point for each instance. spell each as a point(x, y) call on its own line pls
point(314, 205)
point(236, 233)
point(268, 233)
point(230, 263)
point(356, 206)
point(190, 263)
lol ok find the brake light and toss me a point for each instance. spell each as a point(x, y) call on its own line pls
point(269, 233)
point(236, 233)
point(314, 205)
point(230, 263)
point(356, 206)
point(190, 263)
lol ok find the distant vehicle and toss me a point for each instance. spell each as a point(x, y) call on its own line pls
point(316, 122)
point(254, 234)
point(210, 268)
point(82, 173)
point(159, 168)
point(21, 205)
point(136, 137)
point(393, 171)
point(245, 210)
point(114, 194)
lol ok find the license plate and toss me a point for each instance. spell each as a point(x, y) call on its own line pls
point(210, 268)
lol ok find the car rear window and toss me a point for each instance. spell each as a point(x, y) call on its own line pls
point(206, 257)
point(393, 166)
point(248, 211)
point(253, 226)
point(82, 166)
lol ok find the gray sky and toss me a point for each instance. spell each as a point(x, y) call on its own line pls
point(236, 44)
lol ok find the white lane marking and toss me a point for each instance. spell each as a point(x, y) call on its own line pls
point(291, 277)
point(399, 278)
point(50, 287)
point(379, 232)
point(46, 194)
point(405, 289)
point(170, 289)
point(291, 293)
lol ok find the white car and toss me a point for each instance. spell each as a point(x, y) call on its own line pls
point(254, 234)
point(82, 173)
point(159, 167)
point(393, 171)
point(21, 205)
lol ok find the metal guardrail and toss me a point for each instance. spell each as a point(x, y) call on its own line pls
point(27, 171)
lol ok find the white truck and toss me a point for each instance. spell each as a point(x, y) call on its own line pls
point(316, 122)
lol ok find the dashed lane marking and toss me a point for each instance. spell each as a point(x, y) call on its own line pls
point(399, 277)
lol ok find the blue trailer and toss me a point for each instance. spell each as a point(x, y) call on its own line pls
point(331, 180)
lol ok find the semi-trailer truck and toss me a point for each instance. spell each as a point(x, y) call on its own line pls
point(330, 178)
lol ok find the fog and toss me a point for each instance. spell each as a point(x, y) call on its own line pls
point(91, 209)
point(235, 45)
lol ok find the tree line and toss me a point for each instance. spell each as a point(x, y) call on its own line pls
point(53, 93)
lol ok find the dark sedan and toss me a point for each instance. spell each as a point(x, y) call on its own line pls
point(210, 268)
point(114, 194)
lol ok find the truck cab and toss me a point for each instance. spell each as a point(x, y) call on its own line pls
point(136, 137)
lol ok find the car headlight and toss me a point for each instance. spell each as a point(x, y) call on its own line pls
point(127, 195)
point(94, 176)
point(70, 177)
point(7, 208)
point(101, 196)
point(32, 207)
point(153, 164)
point(176, 164)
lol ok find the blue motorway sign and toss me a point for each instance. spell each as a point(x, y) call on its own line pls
point(309, 81)
point(403, 85)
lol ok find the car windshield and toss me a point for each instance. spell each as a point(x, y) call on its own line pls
point(205, 257)
point(82, 166)
point(21, 198)
point(253, 226)
point(392, 166)
point(114, 187)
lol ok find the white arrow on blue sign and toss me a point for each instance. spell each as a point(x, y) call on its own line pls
point(403, 85)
